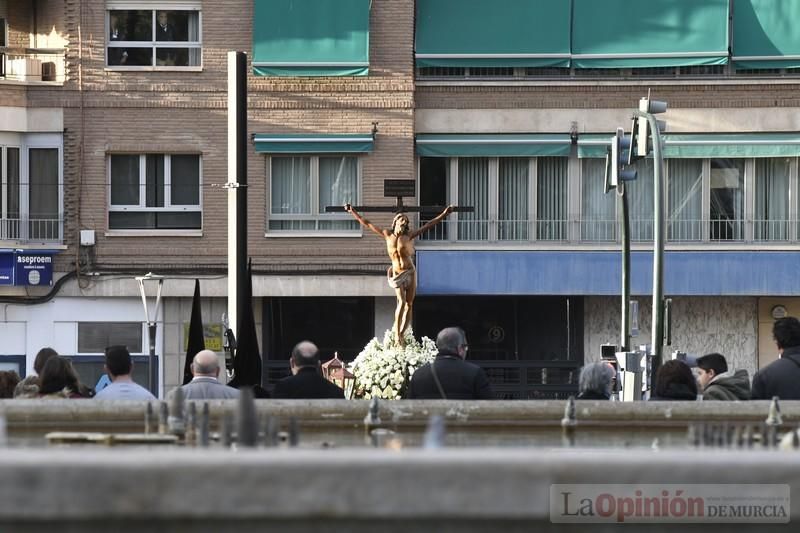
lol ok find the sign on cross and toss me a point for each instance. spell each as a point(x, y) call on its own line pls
point(399, 189)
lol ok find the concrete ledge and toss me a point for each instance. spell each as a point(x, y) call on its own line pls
point(30, 414)
point(477, 489)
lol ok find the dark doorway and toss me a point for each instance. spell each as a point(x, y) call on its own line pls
point(531, 346)
point(334, 324)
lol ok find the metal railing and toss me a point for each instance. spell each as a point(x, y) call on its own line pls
point(32, 65)
point(607, 230)
point(31, 230)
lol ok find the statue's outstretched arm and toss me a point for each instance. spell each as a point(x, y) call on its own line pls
point(438, 218)
point(363, 221)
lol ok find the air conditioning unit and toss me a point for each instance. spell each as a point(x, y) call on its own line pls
point(48, 71)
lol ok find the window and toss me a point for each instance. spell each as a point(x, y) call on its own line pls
point(551, 199)
point(154, 191)
point(640, 201)
point(727, 199)
point(95, 337)
point(598, 209)
point(157, 38)
point(685, 199)
point(301, 188)
point(31, 194)
point(507, 194)
point(772, 193)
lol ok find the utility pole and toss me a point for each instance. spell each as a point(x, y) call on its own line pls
point(237, 189)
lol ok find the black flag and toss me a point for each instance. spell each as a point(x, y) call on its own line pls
point(247, 363)
point(196, 339)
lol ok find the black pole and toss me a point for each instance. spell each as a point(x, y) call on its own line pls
point(152, 370)
point(625, 336)
point(242, 298)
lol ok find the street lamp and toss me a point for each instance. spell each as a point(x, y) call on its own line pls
point(152, 372)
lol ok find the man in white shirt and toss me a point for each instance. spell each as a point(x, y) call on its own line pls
point(119, 368)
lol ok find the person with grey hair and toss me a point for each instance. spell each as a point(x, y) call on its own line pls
point(596, 381)
point(306, 382)
point(204, 384)
point(449, 376)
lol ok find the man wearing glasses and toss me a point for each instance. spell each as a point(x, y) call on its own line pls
point(449, 376)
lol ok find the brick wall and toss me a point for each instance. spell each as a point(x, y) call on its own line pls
point(19, 20)
point(185, 111)
point(107, 111)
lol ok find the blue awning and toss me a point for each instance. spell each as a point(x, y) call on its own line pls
point(536, 272)
point(280, 143)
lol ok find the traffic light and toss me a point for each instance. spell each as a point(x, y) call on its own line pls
point(642, 136)
point(617, 166)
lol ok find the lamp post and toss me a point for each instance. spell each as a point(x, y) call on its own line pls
point(152, 371)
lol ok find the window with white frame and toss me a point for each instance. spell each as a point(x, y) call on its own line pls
point(301, 187)
point(154, 192)
point(30, 202)
point(157, 35)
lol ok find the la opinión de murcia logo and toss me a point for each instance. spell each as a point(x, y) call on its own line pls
point(669, 503)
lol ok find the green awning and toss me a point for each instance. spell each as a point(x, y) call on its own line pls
point(656, 33)
point(766, 34)
point(702, 145)
point(313, 144)
point(593, 144)
point(732, 145)
point(493, 145)
point(311, 37)
point(477, 33)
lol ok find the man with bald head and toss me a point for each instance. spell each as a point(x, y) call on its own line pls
point(449, 377)
point(306, 382)
point(205, 385)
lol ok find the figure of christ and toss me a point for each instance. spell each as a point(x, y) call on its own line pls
point(402, 275)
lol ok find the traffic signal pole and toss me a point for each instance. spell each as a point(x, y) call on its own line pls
point(625, 329)
point(657, 339)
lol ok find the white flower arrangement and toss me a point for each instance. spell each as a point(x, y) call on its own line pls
point(384, 369)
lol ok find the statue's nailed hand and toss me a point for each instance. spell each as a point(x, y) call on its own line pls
point(449, 209)
point(348, 208)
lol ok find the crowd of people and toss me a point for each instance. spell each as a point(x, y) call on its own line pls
point(709, 377)
point(448, 376)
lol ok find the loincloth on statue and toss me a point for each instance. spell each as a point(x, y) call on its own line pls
point(401, 280)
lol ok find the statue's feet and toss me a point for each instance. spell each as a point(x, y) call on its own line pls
point(401, 341)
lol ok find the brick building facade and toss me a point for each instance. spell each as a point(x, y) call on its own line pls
point(102, 116)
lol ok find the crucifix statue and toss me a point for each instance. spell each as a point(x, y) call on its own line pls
point(402, 275)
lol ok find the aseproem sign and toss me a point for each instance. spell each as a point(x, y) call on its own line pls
point(33, 269)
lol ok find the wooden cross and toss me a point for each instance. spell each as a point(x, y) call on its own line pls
point(399, 189)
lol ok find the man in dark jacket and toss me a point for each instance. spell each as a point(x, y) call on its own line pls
point(782, 377)
point(449, 376)
point(306, 382)
point(720, 384)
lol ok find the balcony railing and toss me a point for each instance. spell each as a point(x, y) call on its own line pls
point(31, 230)
point(607, 230)
point(30, 65)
